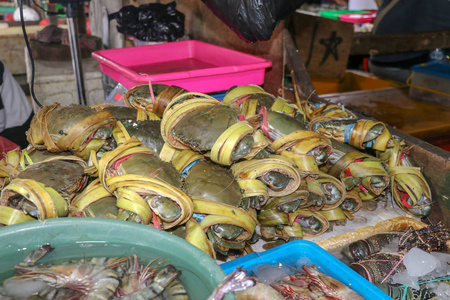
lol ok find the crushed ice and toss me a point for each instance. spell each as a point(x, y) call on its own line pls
point(421, 267)
point(268, 274)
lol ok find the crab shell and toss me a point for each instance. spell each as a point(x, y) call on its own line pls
point(200, 129)
point(149, 133)
point(65, 175)
point(209, 181)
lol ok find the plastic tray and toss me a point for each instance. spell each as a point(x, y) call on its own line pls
point(291, 252)
point(334, 14)
point(193, 65)
point(430, 81)
point(358, 18)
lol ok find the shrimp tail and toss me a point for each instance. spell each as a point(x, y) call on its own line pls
point(36, 255)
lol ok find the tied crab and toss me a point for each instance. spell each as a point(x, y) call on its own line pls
point(201, 123)
point(293, 225)
point(152, 101)
point(281, 122)
point(42, 190)
point(69, 128)
point(359, 133)
point(360, 171)
point(148, 190)
point(16, 160)
point(260, 178)
point(221, 220)
point(137, 122)
point(410, 190)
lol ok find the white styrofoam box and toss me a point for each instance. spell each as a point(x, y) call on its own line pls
point(54, 81)
point(11, 45)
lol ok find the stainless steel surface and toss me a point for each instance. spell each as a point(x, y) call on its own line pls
point(76, 58)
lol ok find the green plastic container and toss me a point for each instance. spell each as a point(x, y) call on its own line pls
point(76, 238)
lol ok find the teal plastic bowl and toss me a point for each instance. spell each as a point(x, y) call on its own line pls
point(76, 238)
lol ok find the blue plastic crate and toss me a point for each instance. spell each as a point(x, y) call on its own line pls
point(291, 252)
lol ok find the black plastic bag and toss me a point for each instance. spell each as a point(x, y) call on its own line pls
point(151, 22)
point(253, 20)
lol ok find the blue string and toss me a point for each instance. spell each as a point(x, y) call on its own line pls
point(405, 287)
point(348, 132)
point(186, 170)
point(198, 217)
point(316, 125)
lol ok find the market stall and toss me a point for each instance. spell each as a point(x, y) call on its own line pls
point(213, 166)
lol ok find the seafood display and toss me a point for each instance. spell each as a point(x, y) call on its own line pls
point(305, 283)
point(403, 263)
point(223, 175)
point(92, 278)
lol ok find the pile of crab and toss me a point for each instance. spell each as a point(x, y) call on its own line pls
point(221, 174)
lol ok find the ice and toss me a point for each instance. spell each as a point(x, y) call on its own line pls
point(268, 274)
point(431, 285)
point(406, 279)
point(303, 261)
point(442, 268)
point(442, 291)
point(419, 262)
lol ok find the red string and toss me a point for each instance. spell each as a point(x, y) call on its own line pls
point(151, 90)
point(404, 198)
point(399, 262)
point(155, 221)
point(264, 124)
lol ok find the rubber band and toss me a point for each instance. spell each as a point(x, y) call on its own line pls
point(398, 263)
point(348, 172)
point(198, 217)
point(363, 188)
point(264, 124)
point(404, 198)
point(239, 102)
point(155, 221)
point(314, 128)
point(121, 160)
point(150, 87)
point(370, 144)
point(186, 170)
point(348, 132)
point(377, 260)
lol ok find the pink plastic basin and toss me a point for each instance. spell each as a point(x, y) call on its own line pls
point(193, 65)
